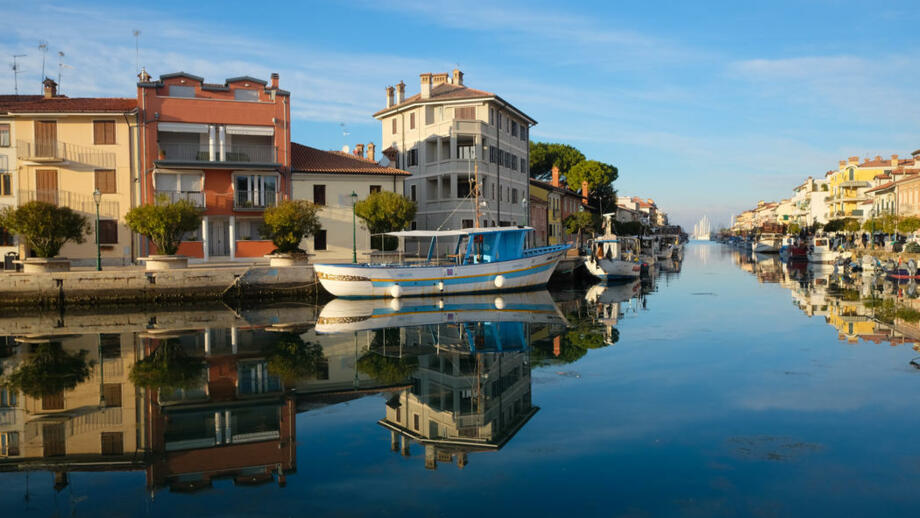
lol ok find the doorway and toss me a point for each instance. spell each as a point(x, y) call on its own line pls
point(218, 237)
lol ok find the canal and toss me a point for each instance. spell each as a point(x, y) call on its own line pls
point(724, 385)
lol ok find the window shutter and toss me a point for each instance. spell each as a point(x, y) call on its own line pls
point(110, 132)
point(108, 232)
point(105, 181)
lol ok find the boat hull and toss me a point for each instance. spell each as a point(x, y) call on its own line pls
point(352, 280)
point(824, 257)
point(763, 247)
point(613, 269)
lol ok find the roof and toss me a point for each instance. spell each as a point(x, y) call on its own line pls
point(551, 187)
point(306, 159)
point(449, 233)
point(881, 187)
point(449, 92)
point(71, 105)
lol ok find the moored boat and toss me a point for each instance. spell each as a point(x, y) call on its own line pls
point(822, 252)
point(614, 258)
point(768, 244)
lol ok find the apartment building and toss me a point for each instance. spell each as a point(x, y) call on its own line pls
point(225, 147)
point(9, 179)
point(66, 149)
point(442, 135)
point(329, 179)
point(808, 200)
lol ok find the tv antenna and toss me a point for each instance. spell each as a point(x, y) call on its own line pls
point(43, 47)
point(61, 67)
point(345, 131)
point(16, 69)
point(137, 50)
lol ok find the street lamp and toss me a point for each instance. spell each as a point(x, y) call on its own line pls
point(97, 197)
point(354, 229)
point(526, 216)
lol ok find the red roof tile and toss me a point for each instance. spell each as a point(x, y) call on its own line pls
point(443, 92)
point(72, 104)
point(305, 159)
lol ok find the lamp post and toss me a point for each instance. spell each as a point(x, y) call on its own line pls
point(97, 197)
point(354, 229)
point(526, 216)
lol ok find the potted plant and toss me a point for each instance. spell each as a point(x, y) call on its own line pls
point(164, 223)
point(287, 224)
point(45, 227)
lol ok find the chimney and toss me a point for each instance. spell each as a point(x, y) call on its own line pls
point(853, 160)
point(426, 85)
point(557, 346)
point(438, 79)
point(389, 96)
point(842, 163)
point(457, 77)
point(584, 192)
point(143, 77)
point(371, 155)
point(878, 158)
point(894, 161)
point(400, 92)
point(555, 176)
point(359, 150)
point(50, 88)
point(275, 78)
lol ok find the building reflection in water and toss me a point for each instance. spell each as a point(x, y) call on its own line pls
point(190, 397)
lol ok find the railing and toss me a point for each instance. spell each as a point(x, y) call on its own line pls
point(57, 151)
point(195, 197)
point(77, 202)
point(254, 153)
point(255, 199)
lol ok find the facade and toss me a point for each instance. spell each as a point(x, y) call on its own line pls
point(66, 148)
point(848, 185)
point(224, 147)
point(442, 135)
point(808, 199)
point(539, 212)
point(329, 178)
point(552, 195)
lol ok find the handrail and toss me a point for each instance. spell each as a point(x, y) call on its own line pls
point(75, 201)
point(56, 150)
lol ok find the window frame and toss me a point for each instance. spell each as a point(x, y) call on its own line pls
point(6, 129)
point(105, 125)
point(114, 182)
point(108, 236)
point(319, 188)
point(317, 240)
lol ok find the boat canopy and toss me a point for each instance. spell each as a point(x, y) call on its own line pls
point(454, 233)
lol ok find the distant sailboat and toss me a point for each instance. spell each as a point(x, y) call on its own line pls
point(703, 229)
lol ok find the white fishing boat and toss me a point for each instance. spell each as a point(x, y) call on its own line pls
point(768, 244)
point(614, 258)
point(821, 252)
point(647, 250)
point(483, 260)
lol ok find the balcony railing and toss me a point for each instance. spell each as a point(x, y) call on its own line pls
point(255, 199)
point(255, 153)
point(57, 151)
point(195, 197)
point(75, 201)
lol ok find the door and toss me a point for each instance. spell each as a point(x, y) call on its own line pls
point(45, 138)
point(46, 185)
point(53, 441)
point(218, 237)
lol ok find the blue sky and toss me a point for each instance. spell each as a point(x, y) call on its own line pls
point(705, 107)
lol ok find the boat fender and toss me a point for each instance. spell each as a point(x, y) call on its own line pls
point(440, 303)
point(395, 291)
point(912, 267)
point(499, 303)
point(499, 281)
point(440, 285)
point(395, 304)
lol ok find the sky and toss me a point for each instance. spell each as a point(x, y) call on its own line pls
point(705, 107)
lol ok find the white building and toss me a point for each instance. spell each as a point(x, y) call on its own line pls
point(9, 180)
point(441, 135)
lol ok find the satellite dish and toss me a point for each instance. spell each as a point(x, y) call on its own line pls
point(345, 149)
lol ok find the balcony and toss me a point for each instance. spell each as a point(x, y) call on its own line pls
point(78, 202)
point(195, 197)
point(55, 151)
point(236, 156)
point(255, 200)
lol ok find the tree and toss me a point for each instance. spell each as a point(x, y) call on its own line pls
point(909, 225)
point(386, 369)
point(545, 155)
point(836, 225)
point(292, 359)
point(289, 222)
point(794, 228)
point(164, 222)
point(168, 367)
point(44, 226)
point(594, 172)
point(50, 370)
point(629, 228)
point(385, 211)
point(580, 222)
point(851, 225)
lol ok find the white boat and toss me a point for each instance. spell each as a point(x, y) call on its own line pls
point(614, 258)
point(821, 252)
point(484, 259)
point(768, 244)
point(647, 247)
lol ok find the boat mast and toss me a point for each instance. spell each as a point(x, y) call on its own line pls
point(476, 190)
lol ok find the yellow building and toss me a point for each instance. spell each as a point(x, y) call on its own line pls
point(848, 185)
point(67, 148)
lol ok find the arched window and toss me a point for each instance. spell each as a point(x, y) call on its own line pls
point(851, 173)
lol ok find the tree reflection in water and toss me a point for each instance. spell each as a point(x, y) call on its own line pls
point(292, 359)
point(50, 370)
point(168, 367)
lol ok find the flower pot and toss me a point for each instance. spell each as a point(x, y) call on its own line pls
point(45, 264)
point(156, 263)
point(288, 259)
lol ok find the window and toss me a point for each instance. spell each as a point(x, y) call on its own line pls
point(463, 187)
point(412, 193)
point(112, 394)
point(248, 230)
point(393, 124)
point(412, 157)
point(103, 132)
point(514, 195)
point(415, 422)
point(501, 157)
point(108, 232)
point(6, 184)
point(181, 91)
point(413, 226)
point(319, 194)
point(429, 115)
point(514, 162)
point(466, 151)
point(467, 223)
point(411, 120)
point(4, 135)
point(255, 191)
point(492, 116)
point(246, 95)
point(6, 239)
point(105, 181)
point(8, 397)
point(465, 113)
point(499, 119)
point(514, 128)
point(523, 132)
point(9, 444)
point(319, 240)
point(113, 443)
point(374, 188)
point(493, 154)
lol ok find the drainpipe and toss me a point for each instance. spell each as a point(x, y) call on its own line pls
point(222, 136)
point(145, 249)
point(212, 149)
point(135, 165)
point(498, 170)
point(286, 137)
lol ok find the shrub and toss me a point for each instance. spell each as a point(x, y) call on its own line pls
point(385, 212)
point(50, 370)
point(164, 223)
point(168, 368)
point(289, 222)
point(292, 359)
point(45, 227)
point(912, 247)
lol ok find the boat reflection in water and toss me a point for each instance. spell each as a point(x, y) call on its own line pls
point(469, 389)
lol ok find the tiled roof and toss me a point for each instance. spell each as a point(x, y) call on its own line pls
point(72, 104)
point(305, 159)
point(880, 187)
point(443, 92)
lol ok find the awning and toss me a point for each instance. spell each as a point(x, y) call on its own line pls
point(182, 127)
point(449, 233)
point(264, 131)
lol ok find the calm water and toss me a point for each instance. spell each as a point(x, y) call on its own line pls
point(734, 386)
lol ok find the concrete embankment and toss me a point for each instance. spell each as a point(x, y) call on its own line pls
point(137, 286)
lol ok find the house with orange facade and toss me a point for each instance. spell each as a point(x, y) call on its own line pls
point(224, 147)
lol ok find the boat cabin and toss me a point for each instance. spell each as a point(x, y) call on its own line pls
point(623, 248)
point(473, 246)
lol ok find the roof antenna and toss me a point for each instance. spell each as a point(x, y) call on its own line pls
point(61, 67)
point(43, 47)
point(137, 50)
point(16, 69)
